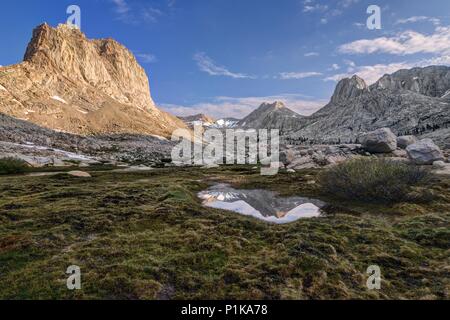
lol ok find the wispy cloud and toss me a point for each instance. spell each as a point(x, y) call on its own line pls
point(121, 6)
point(372, 73)
point(311, 54)
point(298, 75)
point(206, 64)
point(224, 107)
point(327, 9)
point(312, 6)
point(146, 57)
point(136, 13)
point(404, 43)
point(415, 19)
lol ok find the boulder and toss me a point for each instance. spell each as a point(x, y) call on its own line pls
point(424, 152)
point(380, 141)
point(300, 162)
point(400, 153)
point(211, 166)
point(334, 160)
point(404, 141)
point(79, 174)
point(287, 156)
point(439, 164)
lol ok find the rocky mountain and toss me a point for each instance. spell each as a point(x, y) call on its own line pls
point(70, 83)
point(226, 123)
point(408, 102)
point(209, 122)
point(271, 116)
point(198, 119)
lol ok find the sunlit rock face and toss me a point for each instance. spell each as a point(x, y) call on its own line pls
point(70, 83)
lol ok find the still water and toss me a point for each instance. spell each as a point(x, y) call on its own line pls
point(261, 204)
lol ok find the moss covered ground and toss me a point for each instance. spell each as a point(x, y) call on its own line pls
point(146, 236)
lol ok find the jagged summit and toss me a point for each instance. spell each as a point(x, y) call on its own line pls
point(432, 81)
point(70, 83)
point(414, 101)
point(105, 64)
point(270, 116)
point(349, 88)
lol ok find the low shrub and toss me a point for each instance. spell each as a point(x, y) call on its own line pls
point(12, 166)
point(373, 180)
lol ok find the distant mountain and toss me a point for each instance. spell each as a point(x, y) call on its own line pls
point(271, 116)
point(209, 122)
point(226, 123)
point(415, 101)
point(198, 119)
point(70, 83)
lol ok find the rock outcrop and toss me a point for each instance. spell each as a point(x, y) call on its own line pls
point(349, 88)
point(404, 141)
point(424, 152)
point(409, 102)
point(70, 83)
point(198, 119)
point(380, 141)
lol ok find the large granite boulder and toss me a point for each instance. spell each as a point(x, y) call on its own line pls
point(404, 141)
point(380, 141)
point(424, 152)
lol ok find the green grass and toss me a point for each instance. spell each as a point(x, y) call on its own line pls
point(146, 236)
point(375, 180)
point(12, 166)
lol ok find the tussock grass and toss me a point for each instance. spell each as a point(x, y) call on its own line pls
point(145, 235)
point(12, 166)
point(374, 180)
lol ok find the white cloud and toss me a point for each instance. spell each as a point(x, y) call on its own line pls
point(206, 64)
point(327, 10)
point(347, 3)
point(298, 75)
point(404, 43)
point(122, 6)
point(416, 19)
point(334, 66)
point(311, 54)
point(224, 107)
point(137, 13)
point(359, 25)
point(146, 57)
point(310, 6)
point(372, 73)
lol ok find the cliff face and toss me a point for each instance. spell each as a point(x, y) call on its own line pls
point(70, 83)
point(348, 89)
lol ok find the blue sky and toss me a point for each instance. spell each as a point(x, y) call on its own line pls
point(225, 57)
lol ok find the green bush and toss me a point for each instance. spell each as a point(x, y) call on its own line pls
point(373, 180)
point(12, 166)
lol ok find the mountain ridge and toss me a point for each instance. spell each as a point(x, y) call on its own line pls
point(407, 101)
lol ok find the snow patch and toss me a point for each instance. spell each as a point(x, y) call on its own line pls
point(57, 98)
point(225, 123)
point(158, 137)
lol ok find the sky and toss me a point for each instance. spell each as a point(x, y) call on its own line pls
point(225, 57)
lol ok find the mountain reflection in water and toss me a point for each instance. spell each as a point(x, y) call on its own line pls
point(261, 204)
